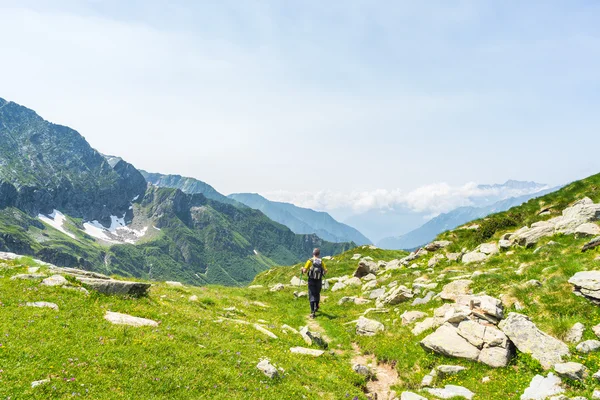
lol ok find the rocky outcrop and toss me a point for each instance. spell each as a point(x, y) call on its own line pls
point(114, 287)
point(530, 340)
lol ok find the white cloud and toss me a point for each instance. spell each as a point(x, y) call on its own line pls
point(433, 199)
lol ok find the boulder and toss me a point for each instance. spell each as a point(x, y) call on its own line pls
point(277, 287)
point(377, 293)
point(571, 370)
point(368, 327)
point(338, 286)
point(365, 268)
point(369, 285)
point(473, 257)
point(451, 392)
point(267, 368)
point(438, 244)
point(528, 237)
point(311, 338)
point(504, 244)
point(587, 283)
point(575, 334)
point(124, 319)
point(77, 272)
point(369, 277)
point(488, 248)
point(542, 388)
point(454, 289)
point(588, 346)
point(530, 340)
point(397, 295)
point(484, 307)
point(587, 230)
point(446, 340)
point(408, 317)
point(354, 281)
point(300, 294)
point(114, 287)
point(55, 280)
point(453, 256)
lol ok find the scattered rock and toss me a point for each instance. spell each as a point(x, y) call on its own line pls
point(377, 293)
point(473, 257)
point(587, 283)
point(408, 317)
point(193, 298)
point(354, 281)
point(435, 260)
point(362, 370)
point(411, 396)
point(287, 328)
point(309, 352)
point(447, 370)
point(451, 391)
point(425, 325)
point(446, 340)
point(265, 331)
point(300, 294)
point(397, 295)
point(295, 281)
point(39, 383)
point(255, 286)
point(424, 300)
point(588, 346)
point(55, 280)
point(338, 286)
point(571, 370)
point(368, 327)
point(488, 248)
point(453, 256)
point(124, 319)
point(575, 334)
point(438, 244)
point(311, 338)
point(369, 285)
point(277, 287)
point(369, 277)
point(587, 230)
point(267, 368)
point(530, 340)
point(504, 244)
point(174, 284)
point(114, 287)
point(541, 388)
point(43, 304)
point(356, 257)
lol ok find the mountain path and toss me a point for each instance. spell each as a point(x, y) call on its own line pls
point(385, 375)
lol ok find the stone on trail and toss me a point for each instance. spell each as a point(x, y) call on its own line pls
point(588, 346)
point(451, 391)
point(309, 352)
point(542, 388)
point(575, 334)
point(277, 287)
point(369, 285)
point(114, 287)
point(571, 370)
point(454, 289)
point(530, 340)
point(55, 280)
point(267, 368)
point(311, 338)
point(43, 304)
point(368, 327)
point(124, 319)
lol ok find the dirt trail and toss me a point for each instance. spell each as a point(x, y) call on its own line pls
point(386, 376)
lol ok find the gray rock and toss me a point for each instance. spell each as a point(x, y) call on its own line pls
point(596, 394)
point(300, 294)
point(114, 287)
point(533, 283)
point(408, 317)
point(124, 319)
point(447, 370)
point(308, 352)
point(425, 325)
point(446, 340)
point(315, 338)
point(77, 272)
point(369, 285)
point(588, 346)
point(295, 281)
point(528, 237)
point(488, 248)
point(377, 293)
point(369, 277)
point(346, 299)
point(268, 369)
point(424, 300)
point(587, 230)
point(596, 330)
point(55, 280)
point(438, 244)
point(43, 304)
point(587, 283)
point(484, 307)
point(395, 296)
point(571, 370)
point(368, 327)
point(504, 244)
point(530, 340)
point(39, 383)
point(496, 357)
point(454, 289)
point(435, 260)
point(575, 334)
point(473, 257)
point(277, 287)
point(427, 380)
point(338, 286)
point(451, 391)
point(359, 301)
point(541, 388)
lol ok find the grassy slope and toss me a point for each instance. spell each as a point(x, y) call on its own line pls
point(170, 362)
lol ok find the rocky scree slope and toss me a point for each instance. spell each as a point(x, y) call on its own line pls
point(65, 203)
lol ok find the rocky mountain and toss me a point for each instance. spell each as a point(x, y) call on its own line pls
point(65, 203)
point(187, 185)
point(302, 220)
point(502, 308)
point(447, 221)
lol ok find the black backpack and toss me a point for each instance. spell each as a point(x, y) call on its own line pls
point(316, 271)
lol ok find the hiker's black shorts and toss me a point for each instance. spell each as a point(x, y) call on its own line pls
point(314, 290)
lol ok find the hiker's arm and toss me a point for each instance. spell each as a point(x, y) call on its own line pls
point(306, 267)
point(324, 267)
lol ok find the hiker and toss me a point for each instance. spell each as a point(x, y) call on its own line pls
point(315, 270)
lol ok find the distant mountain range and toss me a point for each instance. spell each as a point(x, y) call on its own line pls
point(459, 216)
point(65, 203)
point(302, 220)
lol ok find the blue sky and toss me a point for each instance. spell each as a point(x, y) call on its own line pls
point(295, 97)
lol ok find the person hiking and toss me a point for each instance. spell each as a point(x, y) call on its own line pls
point(315, 270)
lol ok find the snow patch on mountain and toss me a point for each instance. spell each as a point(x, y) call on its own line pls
point(56, 220)
point(118, 232)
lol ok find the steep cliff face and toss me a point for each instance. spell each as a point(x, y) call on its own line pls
point(44, 166)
